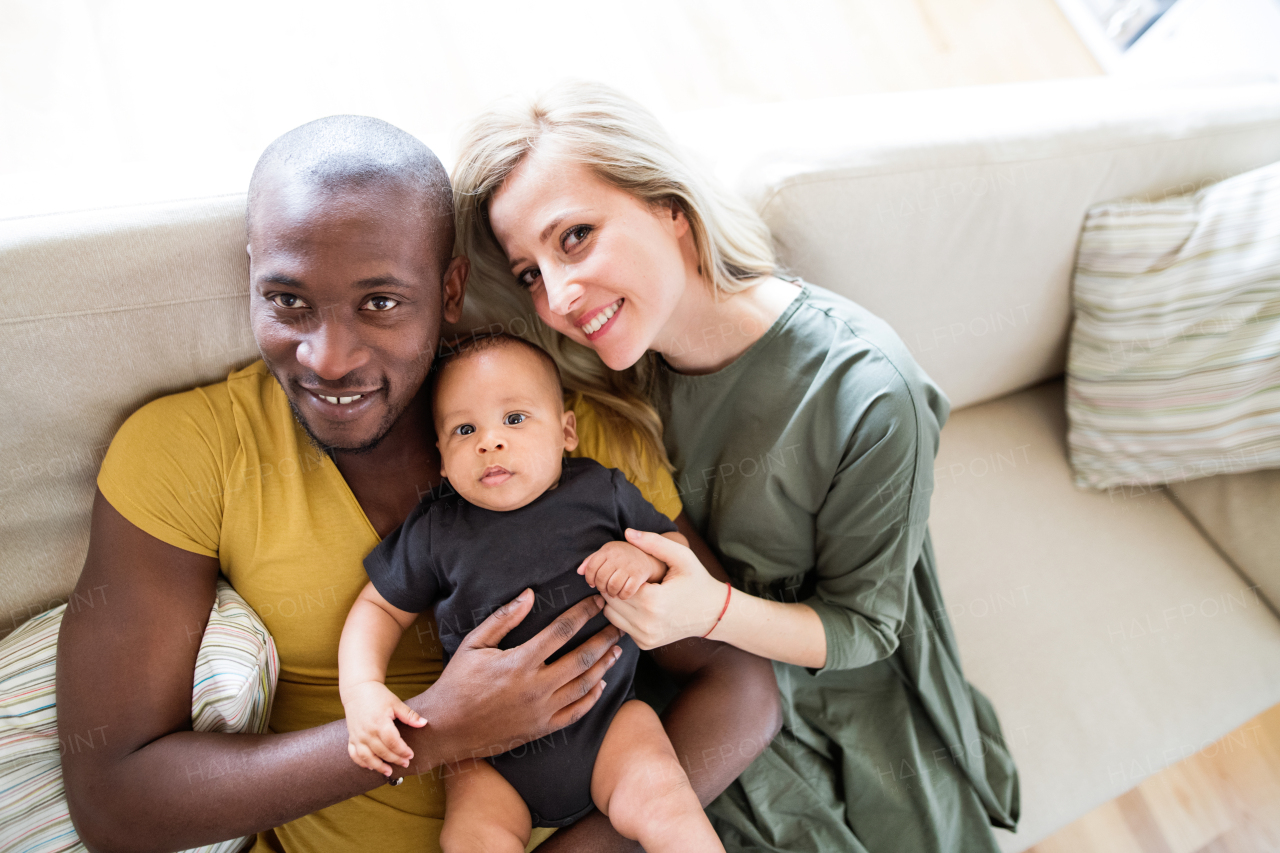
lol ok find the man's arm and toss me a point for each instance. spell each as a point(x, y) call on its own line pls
point(728, 710)
point(125, 670)
point(727, 713)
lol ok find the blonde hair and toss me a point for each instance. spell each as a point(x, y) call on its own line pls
point(625, 146)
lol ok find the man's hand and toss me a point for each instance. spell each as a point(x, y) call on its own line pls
point(618, 569)
point(373, 739)
point(489, 700)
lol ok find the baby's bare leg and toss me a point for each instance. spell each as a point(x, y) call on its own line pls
point(482, 811)
point(639, 783)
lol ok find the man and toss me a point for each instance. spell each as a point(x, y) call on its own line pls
point(283, 478)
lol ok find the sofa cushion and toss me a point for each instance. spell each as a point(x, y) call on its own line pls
point(1241, 514)
point(1173, 372)
point(235, 680)
point(1109, 634)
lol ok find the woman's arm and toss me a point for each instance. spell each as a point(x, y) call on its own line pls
point(125, 670)
point(726, 714)
point(790, 632)
point(868, 536)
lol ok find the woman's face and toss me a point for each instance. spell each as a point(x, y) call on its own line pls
point(603, 267)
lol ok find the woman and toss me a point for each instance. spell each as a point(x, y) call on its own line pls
point(802, 434)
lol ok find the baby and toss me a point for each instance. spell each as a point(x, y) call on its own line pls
point(517, 514)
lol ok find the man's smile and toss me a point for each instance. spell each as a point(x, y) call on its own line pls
point(347, 404)
point(340, 400)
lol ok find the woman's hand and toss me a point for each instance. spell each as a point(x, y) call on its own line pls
point(690, 602)
point(489, 700)
point(685, 604)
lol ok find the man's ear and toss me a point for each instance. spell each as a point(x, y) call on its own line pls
point(454, 288)
point(570, 431)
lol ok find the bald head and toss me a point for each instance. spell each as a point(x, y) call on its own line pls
point(339, 154)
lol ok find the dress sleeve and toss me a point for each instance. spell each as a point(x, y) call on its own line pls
point(636, 512)
point(870, 529)
point(165, 471)
point(650, 477)
point(400, 567)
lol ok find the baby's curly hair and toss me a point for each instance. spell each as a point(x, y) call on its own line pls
point(452, 351)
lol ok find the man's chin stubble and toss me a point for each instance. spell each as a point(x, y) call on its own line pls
point(330, 449)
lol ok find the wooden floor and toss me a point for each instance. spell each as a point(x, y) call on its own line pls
point(1223, 799)
point(180, 98)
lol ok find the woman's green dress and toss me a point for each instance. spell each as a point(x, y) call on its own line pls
point(807, 464)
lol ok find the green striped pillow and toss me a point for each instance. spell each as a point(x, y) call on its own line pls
point(1173, 371)
point(235, 680)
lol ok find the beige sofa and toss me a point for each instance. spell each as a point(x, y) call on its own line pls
point(1115, 632)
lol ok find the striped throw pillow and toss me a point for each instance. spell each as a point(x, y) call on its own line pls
point(235, 681)
point(1173, 371)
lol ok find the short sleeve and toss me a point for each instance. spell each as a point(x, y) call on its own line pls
point(636, 512)
point(400, 568)
point(650, 477)
point(870, 529)
point(166, 468)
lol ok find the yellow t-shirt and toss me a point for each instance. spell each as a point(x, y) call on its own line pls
point(226, 471)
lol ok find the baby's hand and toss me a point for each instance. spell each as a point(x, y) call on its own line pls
point(619, 568)
point(373, 740)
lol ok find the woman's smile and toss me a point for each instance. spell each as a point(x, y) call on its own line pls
point(596, 324)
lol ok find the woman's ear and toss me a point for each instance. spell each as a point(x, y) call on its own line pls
point(570, 431)
point(678, 218)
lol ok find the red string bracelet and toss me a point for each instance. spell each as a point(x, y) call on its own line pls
point(723, 611)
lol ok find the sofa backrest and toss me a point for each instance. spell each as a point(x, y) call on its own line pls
point(102, 311)
point(953, 214)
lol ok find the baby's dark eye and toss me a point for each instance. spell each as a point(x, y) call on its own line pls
point(465, 429)
point(513, 419)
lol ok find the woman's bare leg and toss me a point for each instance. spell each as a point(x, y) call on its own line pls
point(639, 783)
point(483, 812)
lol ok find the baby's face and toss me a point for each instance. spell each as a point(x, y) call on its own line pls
point(501, 427)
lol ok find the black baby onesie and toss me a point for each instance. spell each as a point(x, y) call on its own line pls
point(469, 561)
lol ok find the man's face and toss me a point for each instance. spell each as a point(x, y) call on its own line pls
point(346, 299)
